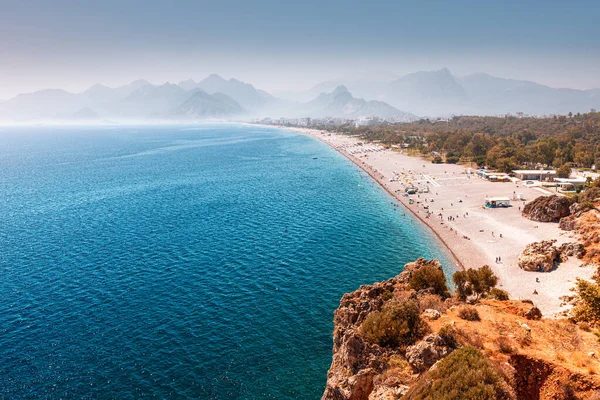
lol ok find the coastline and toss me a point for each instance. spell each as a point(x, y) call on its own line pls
point(473, 235)
point(373, 175)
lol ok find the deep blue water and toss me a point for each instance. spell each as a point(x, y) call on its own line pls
point(172, 262)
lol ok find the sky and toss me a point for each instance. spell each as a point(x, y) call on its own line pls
point(292, 45)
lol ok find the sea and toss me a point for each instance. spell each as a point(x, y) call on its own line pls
point(184, 261)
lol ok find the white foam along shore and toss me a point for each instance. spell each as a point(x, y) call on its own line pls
point(475, 235)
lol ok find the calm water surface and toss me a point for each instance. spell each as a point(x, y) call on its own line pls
point(183, 262)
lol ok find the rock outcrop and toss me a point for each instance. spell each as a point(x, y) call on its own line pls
point(538, 379)
point(539, 256)
point(356, 362)
point(527, 355)
point(586, 224)
point(427, 352)
point(547, 208)
point(544, 256)
point(431, 314)
point(571, 249)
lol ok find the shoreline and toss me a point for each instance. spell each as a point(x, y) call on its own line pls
point(480, 236)
point(458, 262)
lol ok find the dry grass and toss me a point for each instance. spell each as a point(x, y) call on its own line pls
point(501, 332)
point(585, 326)
point(505, 345)
point(471, 338)
point(432, 301)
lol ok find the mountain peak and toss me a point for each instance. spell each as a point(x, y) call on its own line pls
point(214, 78)
point(340, 89)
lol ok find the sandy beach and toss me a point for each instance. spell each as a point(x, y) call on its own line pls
point(475, 235)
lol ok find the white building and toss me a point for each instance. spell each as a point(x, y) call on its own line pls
point(535, 174)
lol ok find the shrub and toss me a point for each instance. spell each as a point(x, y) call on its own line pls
point(452, 159)
point(472, 338)
point(432, 301)
point(588, 307)
point(449, 334)
point(437, 160)
point(398, 324)
point(429, 277)
point(505, 345)
point(468, 313)
point(476, 282)
point(498, 294)
point(464, 374)
point(585, 326)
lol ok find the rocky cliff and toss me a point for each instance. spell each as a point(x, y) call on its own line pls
point(547, 208)
point(526, 356)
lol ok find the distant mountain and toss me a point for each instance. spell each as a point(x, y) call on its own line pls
point(425, 93)
point(492, 94)
point(440, 93)
point(204, 105)
point(154, 100)
point(341, 104)
point(48, 103)
point(135, 101)
point(243, 93)
point(85, 113)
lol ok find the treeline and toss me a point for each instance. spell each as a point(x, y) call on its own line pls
point(504, 143)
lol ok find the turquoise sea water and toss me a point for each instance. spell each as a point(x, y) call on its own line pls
point(183, 262)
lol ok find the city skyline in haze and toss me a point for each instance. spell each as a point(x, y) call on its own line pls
point(292, 46)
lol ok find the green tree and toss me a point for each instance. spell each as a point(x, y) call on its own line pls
point(477, 282)
point(588, 307)
point(429, 277)
point(398, 324)
point(564, 171)
point(464, 374)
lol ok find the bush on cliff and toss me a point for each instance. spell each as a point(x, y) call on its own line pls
point(464, 374)
point(429, 277)
point(398, 324)
point(468, 313)
point(477, 282)
point(498, 294)
point(588, 305)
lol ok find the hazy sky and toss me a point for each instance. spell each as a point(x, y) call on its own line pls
point(292, 44)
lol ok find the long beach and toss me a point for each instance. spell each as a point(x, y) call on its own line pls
point(475, 235)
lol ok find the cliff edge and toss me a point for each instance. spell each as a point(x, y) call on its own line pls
point(408, 338)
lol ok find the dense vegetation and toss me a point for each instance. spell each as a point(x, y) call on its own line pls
point(431, 278)
point(464, 374)
point(498, 142)
point(398, 324)
point(588, 307)
point(474, 282)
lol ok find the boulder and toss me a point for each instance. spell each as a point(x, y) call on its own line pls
point(431, 314)
point(388, 392)
point(568, 223)
point(547, 208)
point(539, 256)
point(571, 249)
point(427, 352)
